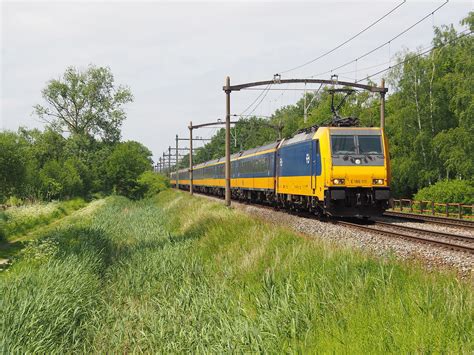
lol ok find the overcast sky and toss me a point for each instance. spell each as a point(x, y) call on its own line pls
point(175, 55)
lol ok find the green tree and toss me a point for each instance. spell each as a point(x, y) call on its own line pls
point(85, 103)
point(124, 166)
point(13, 164)
point(429, 120)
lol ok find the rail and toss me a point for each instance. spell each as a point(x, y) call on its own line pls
point(456, 210)
point(390, 233)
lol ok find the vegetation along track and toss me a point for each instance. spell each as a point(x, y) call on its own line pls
point(414, 234)
point(459, 223)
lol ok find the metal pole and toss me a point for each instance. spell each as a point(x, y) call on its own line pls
point(177, 169)
point(191, 157)
point(169, 160)
point(227, 142)
point(382, 104)
point(305, 108)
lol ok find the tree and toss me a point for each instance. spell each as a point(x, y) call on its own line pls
point(125, 165)
point(430, 113)
point(12, 164)
point(85, 103)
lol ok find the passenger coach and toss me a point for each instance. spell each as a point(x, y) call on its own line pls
point(337, 171)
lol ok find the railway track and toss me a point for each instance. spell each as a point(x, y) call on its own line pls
point(388, 229)
point(432, 219)
point(415, 234)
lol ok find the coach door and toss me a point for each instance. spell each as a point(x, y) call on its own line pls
point(315, 163)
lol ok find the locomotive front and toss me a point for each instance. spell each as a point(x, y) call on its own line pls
point(357, 177)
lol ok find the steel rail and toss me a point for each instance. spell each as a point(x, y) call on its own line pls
point(452, 246)
point(463, 238)
point(432, 219)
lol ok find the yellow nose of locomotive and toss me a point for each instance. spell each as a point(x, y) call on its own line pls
point(358, 171)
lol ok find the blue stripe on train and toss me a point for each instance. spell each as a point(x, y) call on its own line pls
point(299, 159)
point(257, 166)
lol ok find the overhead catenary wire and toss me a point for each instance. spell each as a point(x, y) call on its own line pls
point(346, 41)
point(384, 44)
point(254, 101)
point(461, 35)
point(265, 93)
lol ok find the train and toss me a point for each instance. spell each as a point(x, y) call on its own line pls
point(328, 171)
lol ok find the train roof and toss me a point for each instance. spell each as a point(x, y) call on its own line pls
point(300, 137)
point(262, 148)
point(238, 155)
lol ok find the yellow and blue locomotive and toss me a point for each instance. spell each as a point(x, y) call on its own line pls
point(336, 171)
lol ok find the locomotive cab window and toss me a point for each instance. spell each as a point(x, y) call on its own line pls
point(370, 145)
point(350, 148)
point(343, 144)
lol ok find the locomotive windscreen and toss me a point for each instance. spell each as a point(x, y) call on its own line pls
point(343, 144)
point(370, 145)
point(357, 147)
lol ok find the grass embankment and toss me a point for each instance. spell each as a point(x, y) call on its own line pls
point(17, 222)
point(176, 274)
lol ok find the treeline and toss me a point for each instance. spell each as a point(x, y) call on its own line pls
point(80, 152)
point(429, 116)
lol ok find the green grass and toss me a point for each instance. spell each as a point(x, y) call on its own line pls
point(181, 274)
point(17, 221)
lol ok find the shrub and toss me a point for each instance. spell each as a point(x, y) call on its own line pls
point(3, 222)
point(151, 183)
point(14, 201)
point(451, 191)
point(125, 165)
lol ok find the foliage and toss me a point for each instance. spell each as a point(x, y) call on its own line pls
point(151, 183)
point(430, 113)
point(125, 165)
point(46, 165)
point(85, 103)
point(12, 163)
point(452, 191)
point(178, 274)
point(14, 201)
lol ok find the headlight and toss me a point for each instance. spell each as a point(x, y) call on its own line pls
point(377, 181)
point(339, 181)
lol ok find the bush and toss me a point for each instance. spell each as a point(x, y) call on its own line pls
point(451, 191)
point(14, 201)
point(3, 222)
point(150, 184)
point(125, 165)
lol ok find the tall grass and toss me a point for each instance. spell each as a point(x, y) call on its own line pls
point(181, 274)
point(19, 220)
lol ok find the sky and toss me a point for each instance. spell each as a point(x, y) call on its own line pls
point(175, 56)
